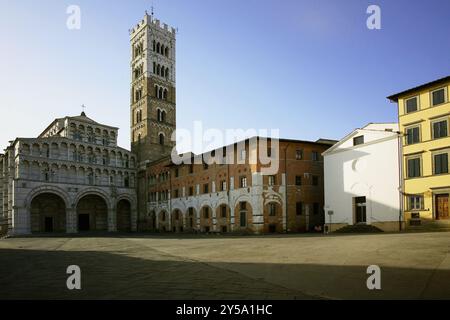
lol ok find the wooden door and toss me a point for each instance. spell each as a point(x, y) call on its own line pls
point(442, 206)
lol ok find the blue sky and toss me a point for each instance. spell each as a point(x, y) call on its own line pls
point(310, 68)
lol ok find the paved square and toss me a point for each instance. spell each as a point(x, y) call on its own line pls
point(220, 267)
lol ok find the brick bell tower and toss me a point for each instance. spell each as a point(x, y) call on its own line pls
point(152, 103)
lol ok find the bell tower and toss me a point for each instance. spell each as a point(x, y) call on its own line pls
point(152, 92)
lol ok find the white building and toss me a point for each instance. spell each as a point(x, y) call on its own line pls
point(362, 179)
point(71, 178)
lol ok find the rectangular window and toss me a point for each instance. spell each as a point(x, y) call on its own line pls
point(315, 180)
point(299, 154)
point(411, 104)
point(413, 167)
point(271, 180)
point(441, 163)
point(243, 182)
point(315, 156)
point(206, 188)
point(415, 202)
point(223, 185)
point(298, 180)
point(413, 135)
point(358, 140)
point(440, 129)
point(191, 191)
point(299, 208)
point(272, 209)
point(438, 96)
point(206, 212)
point(176, 193)
point(191, 168)
point(176, 172)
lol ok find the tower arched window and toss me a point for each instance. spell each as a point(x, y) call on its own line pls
point(161, 139)
point(158, 70)
point(166, 52)
point(165, 94)
point(157, 47)
point(163, 116)
point(156, 91)
point(160, 95)
point(162, 49)
point(154, 45)
point(167, 73)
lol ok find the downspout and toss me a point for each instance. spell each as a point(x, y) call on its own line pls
point(286, 187)
point(400, 168)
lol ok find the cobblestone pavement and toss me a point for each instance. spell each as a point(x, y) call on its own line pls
point(227, 267)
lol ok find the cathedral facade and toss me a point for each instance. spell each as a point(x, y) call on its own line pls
point(73, 177)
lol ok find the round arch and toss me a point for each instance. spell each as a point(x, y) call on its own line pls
point(191, 218)
point(206, 219)
point(273, 217)
point(243, 213)
point(223, 214)
point(92, 212)
point(93, 191)
point(163, 220)
point(123, 212)
point(47, 189)
point(47, 213)
point(177, 220)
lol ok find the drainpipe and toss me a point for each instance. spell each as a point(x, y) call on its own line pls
point(286, 187)
point(400, 168)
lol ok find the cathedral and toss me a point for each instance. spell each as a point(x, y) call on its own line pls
point(73, 177)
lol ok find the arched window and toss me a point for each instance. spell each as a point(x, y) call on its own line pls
point(137, 117)
point(158, 115)
point(160, 95)
point(154, 45)
point(162, 49)
point(167, 73)
point(161, 139)
point(158, 70)
point(165, 94)
point(156, 91)
point(166, 52)
point(163, 116)
point(154, 67)
point(157, 47)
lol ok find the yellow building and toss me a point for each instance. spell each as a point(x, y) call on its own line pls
point(424, 116)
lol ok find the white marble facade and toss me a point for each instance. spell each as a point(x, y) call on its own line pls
point(74, 157)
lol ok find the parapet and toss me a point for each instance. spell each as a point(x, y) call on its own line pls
point(149, 19)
